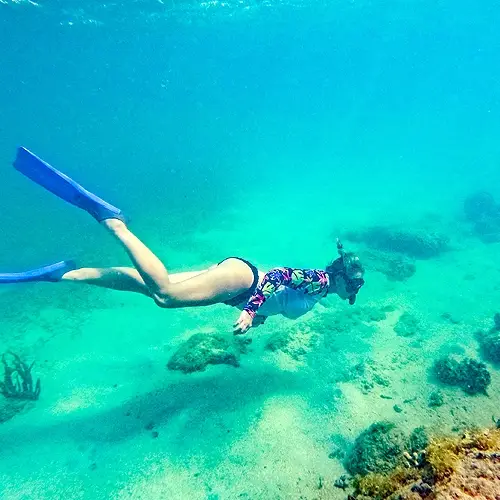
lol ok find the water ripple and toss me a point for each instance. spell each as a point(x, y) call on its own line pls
point(72, 12)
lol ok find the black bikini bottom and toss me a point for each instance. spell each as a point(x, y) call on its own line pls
point(243, 296)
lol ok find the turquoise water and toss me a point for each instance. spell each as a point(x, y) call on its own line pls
point(253, 128)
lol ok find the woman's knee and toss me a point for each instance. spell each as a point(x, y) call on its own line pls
point(163, 301)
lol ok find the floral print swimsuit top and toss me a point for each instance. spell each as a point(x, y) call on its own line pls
point(306, 286)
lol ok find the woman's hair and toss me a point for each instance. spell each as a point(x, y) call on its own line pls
point(335, 267)
point(348, 263)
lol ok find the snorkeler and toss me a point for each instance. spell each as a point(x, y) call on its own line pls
point(233, 281)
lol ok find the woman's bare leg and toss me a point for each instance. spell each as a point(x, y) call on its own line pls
point(151, 278)
point(125, 279)
point(148, 265)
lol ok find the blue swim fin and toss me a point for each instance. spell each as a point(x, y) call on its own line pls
point(64, 187)
point(52, 273)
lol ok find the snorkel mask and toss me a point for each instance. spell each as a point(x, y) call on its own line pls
point(350, 269)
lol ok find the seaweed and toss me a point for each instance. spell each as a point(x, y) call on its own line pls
point(17, 380)
point(381, 486)
point(439, 465)
point(443, 455)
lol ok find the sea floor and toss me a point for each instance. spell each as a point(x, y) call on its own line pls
point(113, 422)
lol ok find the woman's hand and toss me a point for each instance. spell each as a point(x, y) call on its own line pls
point(243, 324)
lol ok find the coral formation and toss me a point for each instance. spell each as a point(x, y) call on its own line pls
point(471, 375)
point(447, 371)
point(396, 267)
point(490, 341)
point(202, 350)
point(416, 244)
point(480, 205)
point(436, 399)
point(17, 380)
point(407, 325)
point(377, 449)
point(459, 467)
point(342, 482)
point(484, 213)
point(419, 440)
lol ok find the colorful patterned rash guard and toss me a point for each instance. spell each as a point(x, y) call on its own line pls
point(307, 281)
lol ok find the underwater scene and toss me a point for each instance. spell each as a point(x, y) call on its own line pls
point(330, 169)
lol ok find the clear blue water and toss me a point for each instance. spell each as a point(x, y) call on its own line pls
point(181, 111)
point(203, 95)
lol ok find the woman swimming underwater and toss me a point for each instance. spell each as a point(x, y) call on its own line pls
point(233, 281)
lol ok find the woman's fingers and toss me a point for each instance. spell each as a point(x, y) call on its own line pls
point(243, 324)
point(240, 327)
